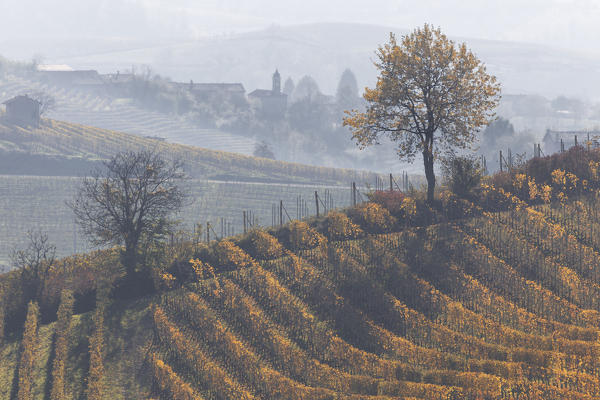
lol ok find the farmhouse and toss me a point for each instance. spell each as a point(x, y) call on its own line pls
point(273, 103)
point(23, 110)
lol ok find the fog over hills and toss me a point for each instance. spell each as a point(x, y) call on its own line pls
point(321, 50)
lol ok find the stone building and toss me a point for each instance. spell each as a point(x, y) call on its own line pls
point(23, 110)
point(273, 103)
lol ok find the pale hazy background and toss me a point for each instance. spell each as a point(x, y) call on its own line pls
point(568, 24)
point(550, 47)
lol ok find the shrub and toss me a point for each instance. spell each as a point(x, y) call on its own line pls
point(462, 175)
point(391, 200)
point(303, 237)
point(339, 227)
point(455, 207)
point(162, 279)
point(500, 180)
point(409, 209)
point(264, 246)
point(204, 271)
point(372, 217)
point(575, 160)
point(492, 197)
point(227, 254)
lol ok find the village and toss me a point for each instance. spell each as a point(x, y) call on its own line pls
point(25, 109)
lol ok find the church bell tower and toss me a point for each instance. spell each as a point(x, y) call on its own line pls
point(276, 83)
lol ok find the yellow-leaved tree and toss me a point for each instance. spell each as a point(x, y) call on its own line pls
point(431, 95)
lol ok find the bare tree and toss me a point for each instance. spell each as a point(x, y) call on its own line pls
point(263, 149)
point(129, 202)
point(34, 263)
point(46, 100)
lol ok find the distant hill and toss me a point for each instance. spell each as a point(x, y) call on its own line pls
point(324, 50)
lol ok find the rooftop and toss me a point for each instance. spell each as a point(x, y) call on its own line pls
point(266, 93)
point(21, 98)
point(54, 67)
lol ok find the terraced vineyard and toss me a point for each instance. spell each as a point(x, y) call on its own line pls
point(497, 305)
point(404, 301)
point(64, 139)
point(121, 114)
point(105, 112)
point(364, 321)
point(224, 184)
point(39, 202)
point(355, 319)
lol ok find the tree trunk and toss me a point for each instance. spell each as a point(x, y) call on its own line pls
point(129, 259)
point(429, 174)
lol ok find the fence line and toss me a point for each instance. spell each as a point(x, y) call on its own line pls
point(320, 204)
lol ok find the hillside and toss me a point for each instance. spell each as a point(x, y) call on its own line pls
point(106, 112)
point(63, 139)
point(100, 109)
point(489, 298)
point(39, 170)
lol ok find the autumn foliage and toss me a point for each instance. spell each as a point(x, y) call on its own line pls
point(497, 297)
point(95, 379)
point(28, 353)
point(372, 217)
point(61, 345)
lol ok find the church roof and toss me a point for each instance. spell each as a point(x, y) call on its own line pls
point(265, 93)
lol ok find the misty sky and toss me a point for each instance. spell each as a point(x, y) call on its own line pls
point(562, 23)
